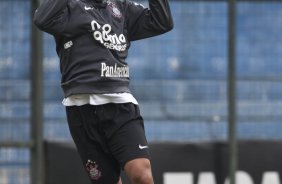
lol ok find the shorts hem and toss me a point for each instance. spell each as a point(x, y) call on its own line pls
point(133, 158)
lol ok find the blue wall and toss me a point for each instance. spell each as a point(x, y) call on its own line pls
point(184, 69)
point(178, 78)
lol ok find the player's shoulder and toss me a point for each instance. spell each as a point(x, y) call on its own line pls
point(131, 2)
point(117, 1)
point(135, 3)
point(126, 3)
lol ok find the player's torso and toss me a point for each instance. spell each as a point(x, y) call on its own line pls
point(99, 47)
point(104, 23)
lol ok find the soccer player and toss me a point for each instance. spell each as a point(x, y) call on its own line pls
point(92, 41)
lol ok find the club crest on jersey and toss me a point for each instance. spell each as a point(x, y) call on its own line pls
point(115, 11)
point(92, 169)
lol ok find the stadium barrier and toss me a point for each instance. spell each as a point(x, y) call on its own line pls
point(181, 163)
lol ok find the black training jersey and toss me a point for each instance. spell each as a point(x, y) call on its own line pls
point(93, 38)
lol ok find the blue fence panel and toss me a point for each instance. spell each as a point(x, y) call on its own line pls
point(195, 48)
point(14, 39)
point(259, 41)
point(179, 78)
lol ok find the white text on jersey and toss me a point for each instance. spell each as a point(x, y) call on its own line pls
point(110, 41)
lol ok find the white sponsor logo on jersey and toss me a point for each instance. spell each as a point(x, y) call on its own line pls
point(102, 33)
point(114, 71)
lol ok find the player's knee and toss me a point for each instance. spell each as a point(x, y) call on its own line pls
point(119, 181)
point(144, 177)
point(139, 171)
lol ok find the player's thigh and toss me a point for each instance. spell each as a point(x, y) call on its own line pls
point(129, 142)
point(100, 166)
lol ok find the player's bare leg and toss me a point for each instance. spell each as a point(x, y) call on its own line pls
point(139, 171)
point(119, 181)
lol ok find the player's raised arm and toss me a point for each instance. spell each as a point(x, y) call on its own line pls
point(144, 22)
point(51, 16)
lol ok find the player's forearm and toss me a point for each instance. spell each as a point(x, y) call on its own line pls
point(161, 14)
point(48, 12)
point(150, 22)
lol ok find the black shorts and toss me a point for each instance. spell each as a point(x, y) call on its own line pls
point(107, 137)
